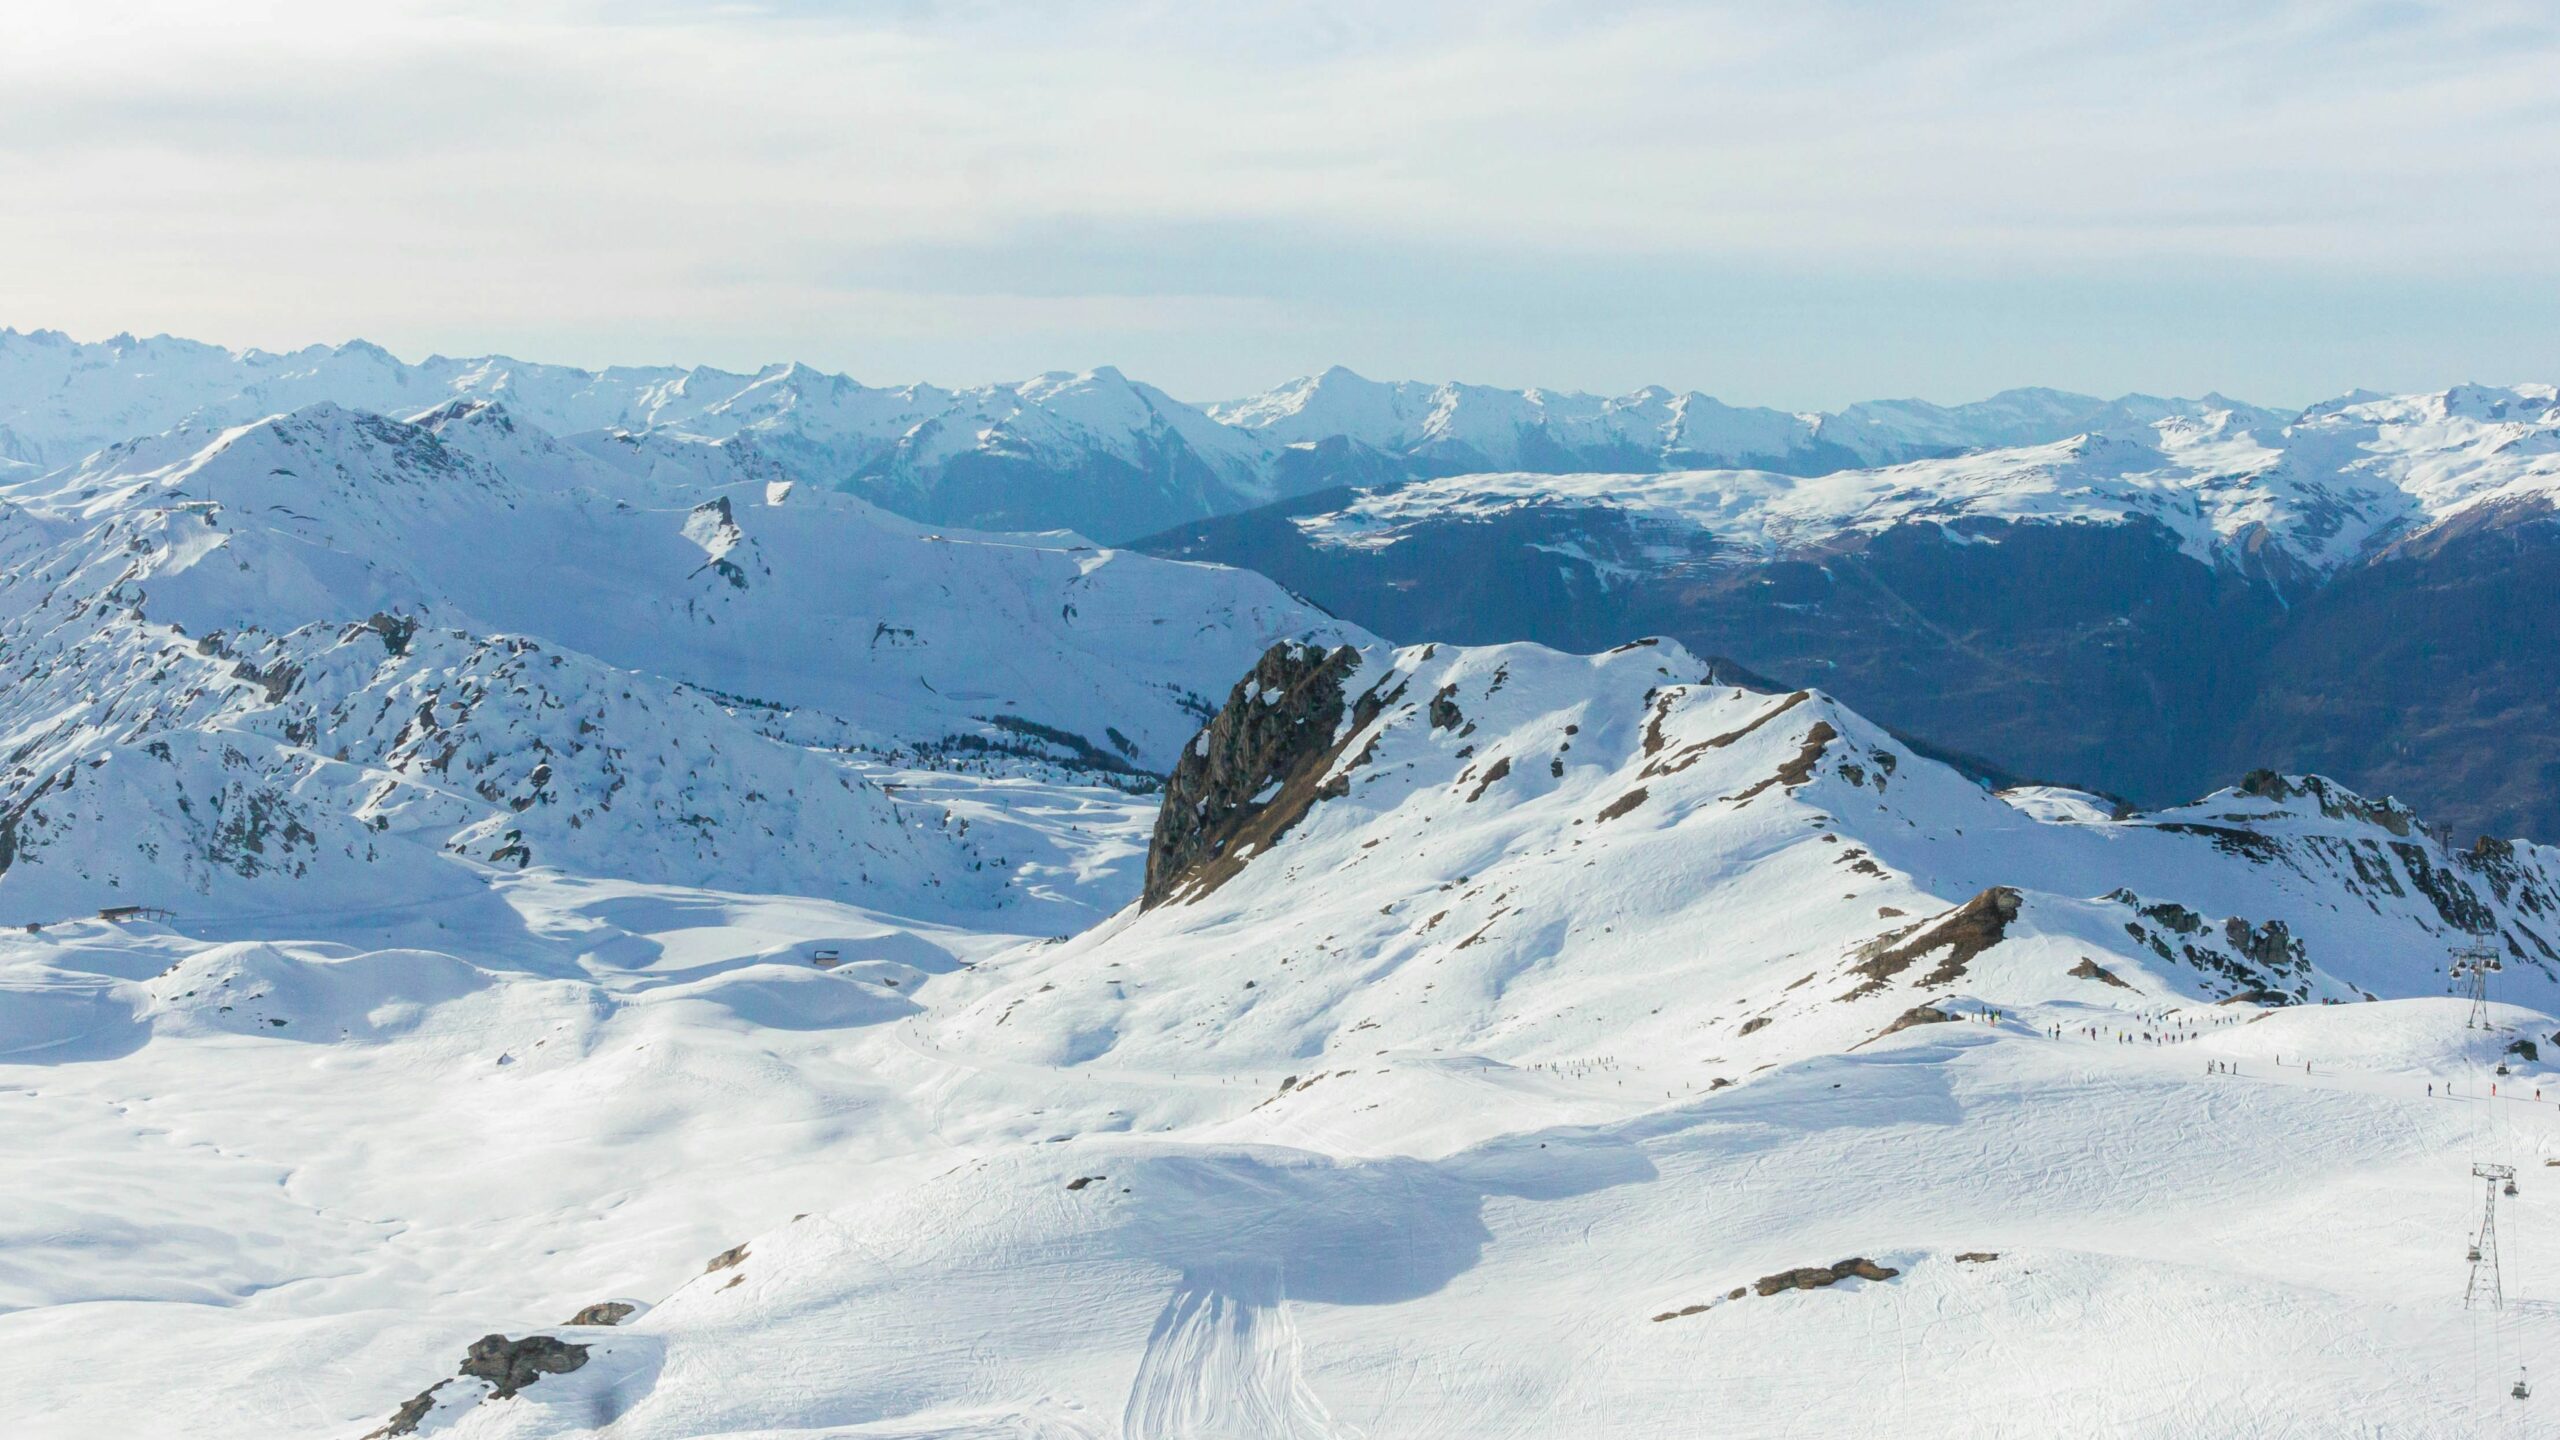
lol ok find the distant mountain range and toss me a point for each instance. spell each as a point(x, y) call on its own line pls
point(1092, 451)
point(2141, 595)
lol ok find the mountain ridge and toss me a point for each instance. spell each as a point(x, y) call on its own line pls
point(1092, 449)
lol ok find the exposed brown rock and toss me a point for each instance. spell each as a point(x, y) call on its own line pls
point(1445, 714)
point(1916, 1015)
point(2334, 801)
point(1690, 754)
point(726, 1258)
point(608, 1312)
point(1623, 804)
point(1799, 769)
point(510, 1365)
point(1277, 728)
point(2089, 969)
point(2256, 997)
point(1964, 932)
point(1814, 1277)
point(404, 1421)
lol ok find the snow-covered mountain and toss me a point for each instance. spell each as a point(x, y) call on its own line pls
point(1424, 850)
point(1502, 1042)
point(2140, 608)
point(1092, 451)
point(298, 643)
point(531, 912)
point(2236, 487)
point(1456, 428)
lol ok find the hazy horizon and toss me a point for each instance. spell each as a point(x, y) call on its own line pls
point(2281, 201)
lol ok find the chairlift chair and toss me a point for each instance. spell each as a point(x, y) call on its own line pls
point(2521, 1390)
point(2511, 1187)
point(2475, 1255)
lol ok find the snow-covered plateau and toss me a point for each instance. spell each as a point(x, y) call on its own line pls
point(525, 920)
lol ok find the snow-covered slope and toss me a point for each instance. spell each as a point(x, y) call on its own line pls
point(1531, 857)
point(322, 771)
point(1502, 1041)
point(1508, 1043)
point(1563, 1015)
point(1091, 449)
point(700, 567)
point(298, 646)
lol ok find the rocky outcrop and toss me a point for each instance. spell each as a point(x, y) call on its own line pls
point(1255, 769)
point(404, 1421)
point(510, 1365)
point(2334, 800)
point(2089, 969)
point(2258, 960)
point(1916, 1015)
point(1961, 933)
point(506, 1366)
point(1814, 1277)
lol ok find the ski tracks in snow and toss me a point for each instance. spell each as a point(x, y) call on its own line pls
point(1224, 1360)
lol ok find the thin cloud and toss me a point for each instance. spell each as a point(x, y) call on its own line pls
point(589, 174)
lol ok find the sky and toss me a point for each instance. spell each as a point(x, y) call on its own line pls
point(1801, 204)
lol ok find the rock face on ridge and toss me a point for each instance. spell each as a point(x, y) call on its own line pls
point(1252, 771)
